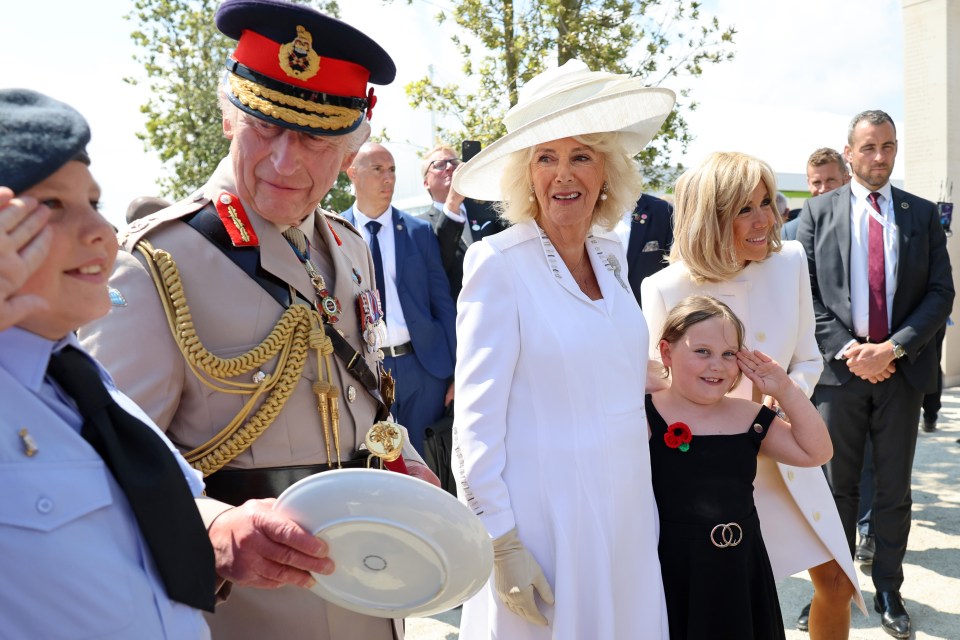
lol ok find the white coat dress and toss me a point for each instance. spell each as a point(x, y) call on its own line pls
point(550, 436)
point(798, 516)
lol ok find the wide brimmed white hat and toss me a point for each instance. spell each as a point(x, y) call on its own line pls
point(567, 101)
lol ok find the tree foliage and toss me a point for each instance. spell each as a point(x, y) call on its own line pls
point(504, 43)
point(183, 56)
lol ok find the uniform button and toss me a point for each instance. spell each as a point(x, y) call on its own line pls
point(351, 393)
point(816, 516)
point(790, 475)
point(44, 504)
point(761, 336)
point(225, 198)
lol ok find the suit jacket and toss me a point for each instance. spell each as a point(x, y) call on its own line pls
point(789, 229)
point(798, 515)
point(424, 292)
point(924, 282)
point(232, 314)
point(454, 237)
point(651, 235)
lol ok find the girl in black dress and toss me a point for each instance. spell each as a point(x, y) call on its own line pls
point(703, 453)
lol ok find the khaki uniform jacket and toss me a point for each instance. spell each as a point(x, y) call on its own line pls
point(232, 314)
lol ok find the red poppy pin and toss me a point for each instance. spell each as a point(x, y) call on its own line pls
point(678, 436)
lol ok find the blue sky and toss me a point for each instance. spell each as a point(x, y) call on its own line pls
point(801, 71)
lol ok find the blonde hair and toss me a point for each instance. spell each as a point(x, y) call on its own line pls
point(707, 198)
point(621, 175)
point(426, 162)
point(694, 310)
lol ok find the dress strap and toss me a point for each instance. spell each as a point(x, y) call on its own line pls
point(654, 419)
point(761, 423)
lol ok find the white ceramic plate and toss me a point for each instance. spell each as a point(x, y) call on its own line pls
point(402, 547)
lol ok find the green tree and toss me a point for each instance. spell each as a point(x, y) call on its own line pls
point(183, 56)
point(659, 41)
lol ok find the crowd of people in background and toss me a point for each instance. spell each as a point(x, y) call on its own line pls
point(634, 394)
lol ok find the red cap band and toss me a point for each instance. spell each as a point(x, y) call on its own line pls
point(336, 77)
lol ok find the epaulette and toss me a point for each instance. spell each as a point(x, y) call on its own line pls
point(132, 233)
point(336, 217)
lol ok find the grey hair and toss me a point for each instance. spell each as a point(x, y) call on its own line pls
point(872, 116)
point(783, 207)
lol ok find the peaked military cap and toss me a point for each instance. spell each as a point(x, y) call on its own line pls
point(38, 135)
point(301, 69)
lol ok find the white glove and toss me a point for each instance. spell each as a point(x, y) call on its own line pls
point(516, 574)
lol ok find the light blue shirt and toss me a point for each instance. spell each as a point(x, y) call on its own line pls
point(72, 561)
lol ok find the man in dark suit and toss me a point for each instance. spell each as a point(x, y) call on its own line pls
point(649, 241)
point(826, 171)
point(456, 220)
point(882, 288)
point(420, 345)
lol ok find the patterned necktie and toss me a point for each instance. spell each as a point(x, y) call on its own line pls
point(374, 228)
point(298, 240)
point(876, 276)
point(149, 475)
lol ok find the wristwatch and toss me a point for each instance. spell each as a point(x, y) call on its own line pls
point(898, 350)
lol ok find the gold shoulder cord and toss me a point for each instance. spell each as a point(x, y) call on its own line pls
point(298, 329)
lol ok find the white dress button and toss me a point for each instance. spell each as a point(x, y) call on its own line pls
point(44, 504)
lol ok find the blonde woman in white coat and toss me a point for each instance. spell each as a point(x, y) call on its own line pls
point(727, 245)
point(550, 431)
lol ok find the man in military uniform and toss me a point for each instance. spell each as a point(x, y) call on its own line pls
point(245, 319)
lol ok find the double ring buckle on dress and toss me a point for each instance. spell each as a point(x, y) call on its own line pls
point(730, 535)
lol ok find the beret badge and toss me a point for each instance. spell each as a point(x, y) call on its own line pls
point(297, 58)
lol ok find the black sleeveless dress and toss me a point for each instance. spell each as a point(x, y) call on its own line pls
point(716, 573)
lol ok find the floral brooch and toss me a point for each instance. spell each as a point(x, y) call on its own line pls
point(678, 436)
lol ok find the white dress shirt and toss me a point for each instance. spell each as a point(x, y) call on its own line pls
point(397, 332)
point(860, 213)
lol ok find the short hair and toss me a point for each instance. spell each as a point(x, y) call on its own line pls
point(826, 155)
point(621, 177)
point(425, 164)
point(694, 310)
point(874, 117)
point(707, 198)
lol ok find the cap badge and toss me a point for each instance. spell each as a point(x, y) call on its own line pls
point(297, 58)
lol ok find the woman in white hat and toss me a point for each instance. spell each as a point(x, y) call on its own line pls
point(727, 245)
point(550, 432)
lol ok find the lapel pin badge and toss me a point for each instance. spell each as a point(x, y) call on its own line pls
point(29, 444)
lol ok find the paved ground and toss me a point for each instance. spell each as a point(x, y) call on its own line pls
point(932, 565)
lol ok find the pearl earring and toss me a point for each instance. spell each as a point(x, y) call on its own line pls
point(531, 197)
point(603, 192)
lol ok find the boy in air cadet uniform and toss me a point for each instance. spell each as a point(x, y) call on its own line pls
point(246, 321)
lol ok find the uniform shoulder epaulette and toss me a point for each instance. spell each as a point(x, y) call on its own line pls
point(336, 217)
point(132, 233)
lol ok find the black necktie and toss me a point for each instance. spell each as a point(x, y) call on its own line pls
point(374, 228)
point(149, 475)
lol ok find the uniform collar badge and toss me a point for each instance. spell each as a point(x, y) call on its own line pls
point(235, 220)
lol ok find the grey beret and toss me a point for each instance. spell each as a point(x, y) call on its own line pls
point(38, 135)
